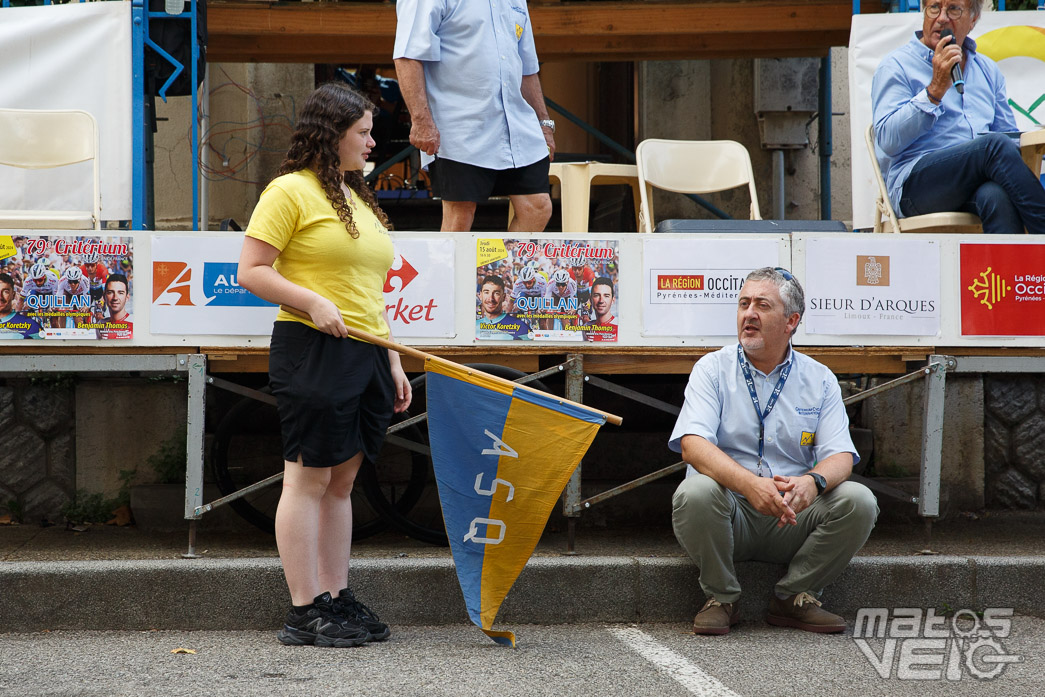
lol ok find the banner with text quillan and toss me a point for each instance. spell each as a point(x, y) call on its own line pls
point(692, 286)
point(195, 290)
point(878, 285)
point(1002, 289)
point(66, 287)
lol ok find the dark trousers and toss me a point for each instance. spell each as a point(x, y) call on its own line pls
point(985, 176)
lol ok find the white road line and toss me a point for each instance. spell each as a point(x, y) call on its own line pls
point(687, 674)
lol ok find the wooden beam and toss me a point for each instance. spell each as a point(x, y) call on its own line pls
point(360, 32)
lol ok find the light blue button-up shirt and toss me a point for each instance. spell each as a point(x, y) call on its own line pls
point(807, 425)
point(907, 125)
point(475, 54)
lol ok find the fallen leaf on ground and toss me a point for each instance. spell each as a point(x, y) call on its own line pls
point(925, 552)
point(181, 650)
point(121, 516)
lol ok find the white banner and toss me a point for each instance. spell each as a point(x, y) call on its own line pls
point(874, 286)
point(1012, 39)
point(691, 286)
point(195, 290)
point(419, 292)
point(74, 56)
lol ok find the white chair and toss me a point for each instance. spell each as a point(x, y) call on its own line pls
point(32, 139)
point(691, 167)
point(931, 222)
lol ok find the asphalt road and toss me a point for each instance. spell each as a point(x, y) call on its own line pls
point(602, 660)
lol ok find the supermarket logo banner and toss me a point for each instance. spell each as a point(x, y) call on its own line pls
point(419, 289)
point(1002, 289)
point(546, 290)
point(872, 287)
point(692, 286)
point(66, 287)
point(195, 289)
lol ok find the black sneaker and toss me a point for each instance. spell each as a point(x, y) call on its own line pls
point(319, 625)
point(346, 606)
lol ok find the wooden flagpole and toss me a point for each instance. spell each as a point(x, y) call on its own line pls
point(409, 351)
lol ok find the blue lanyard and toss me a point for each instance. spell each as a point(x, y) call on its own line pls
point(762, 415)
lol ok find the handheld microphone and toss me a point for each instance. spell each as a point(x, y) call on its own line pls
point(956, 69)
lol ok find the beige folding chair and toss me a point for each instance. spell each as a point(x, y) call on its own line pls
point(931, 222)
point(32, 139)
point(691, 167)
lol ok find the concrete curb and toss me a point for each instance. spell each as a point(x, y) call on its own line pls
point(216, 594)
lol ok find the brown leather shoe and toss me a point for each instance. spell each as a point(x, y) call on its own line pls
point(803, 611)
point(715, 617)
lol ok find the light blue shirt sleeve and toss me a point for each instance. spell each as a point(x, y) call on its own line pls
point(701, 412)
point(417, 24)
point(527, 48)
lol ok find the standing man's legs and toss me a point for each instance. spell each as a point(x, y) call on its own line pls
point(458, 216)
point(532, 212)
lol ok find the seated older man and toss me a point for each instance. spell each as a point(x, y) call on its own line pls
point(943, 148)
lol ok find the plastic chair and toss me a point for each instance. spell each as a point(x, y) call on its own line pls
point(45, 140)
point(931, 222)
point(692, 167)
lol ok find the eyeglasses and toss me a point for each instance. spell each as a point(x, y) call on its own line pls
point(785, 273)
point(953, 11)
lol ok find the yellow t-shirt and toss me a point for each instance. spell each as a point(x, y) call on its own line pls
point(316, 251)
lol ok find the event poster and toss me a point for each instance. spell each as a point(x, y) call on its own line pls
point(1002, 289)
point(877, 285)
point(66, 287)
point(546, 290)
point(693, 285)
point(196, 292)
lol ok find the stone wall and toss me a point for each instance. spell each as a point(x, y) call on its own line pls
point(37, 446)
point(1014, 440)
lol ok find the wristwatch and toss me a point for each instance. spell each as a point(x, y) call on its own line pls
point(821, 483)
point(548, 123)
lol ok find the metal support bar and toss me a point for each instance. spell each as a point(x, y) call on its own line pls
point(196, 364)
point(238, 494)
point(932, 436)
point(632, 394)
point(241, 390)
point(633, 484)
point(92, 364)
point(871, 392)
point(572, 495)
point(885, 489)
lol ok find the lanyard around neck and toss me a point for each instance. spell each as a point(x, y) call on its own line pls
point(762, 415)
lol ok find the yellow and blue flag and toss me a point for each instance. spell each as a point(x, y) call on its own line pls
point(502, 456)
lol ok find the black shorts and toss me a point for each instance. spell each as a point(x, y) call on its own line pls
point(334, 396)
point(456, 181)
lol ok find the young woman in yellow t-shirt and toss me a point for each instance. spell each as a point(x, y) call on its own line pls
point(318, 242)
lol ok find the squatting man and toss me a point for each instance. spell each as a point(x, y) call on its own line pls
point(766, 436)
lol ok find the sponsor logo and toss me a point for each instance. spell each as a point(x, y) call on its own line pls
point(173, 284)
point(998, 283)
point(989, 288)
point(872, 270)
point(404, 273)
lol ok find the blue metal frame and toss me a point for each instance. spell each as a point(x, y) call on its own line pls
point(140, 17)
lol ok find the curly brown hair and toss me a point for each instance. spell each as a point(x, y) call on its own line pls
point(327, 113)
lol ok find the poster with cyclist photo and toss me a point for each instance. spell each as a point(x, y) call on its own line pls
point(546, 290)
point(66, 287)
